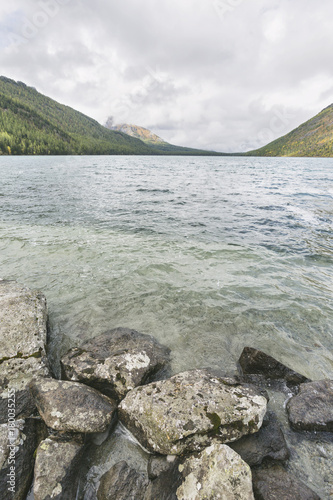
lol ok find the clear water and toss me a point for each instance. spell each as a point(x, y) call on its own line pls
point(206, 254)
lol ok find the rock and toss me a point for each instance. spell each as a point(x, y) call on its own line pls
point(267, 443)
point(253, 361)
point(276, 483)
point(72, 407)
point(18, 442)
point(256, 383)
point(216, 472)
point(157, 464)
point(184, 412)
point(57, 468)
point(116, 361)
point(23, 317)
point(122, 483)
point(165, 486)
point(15, 377)
point(312, 408)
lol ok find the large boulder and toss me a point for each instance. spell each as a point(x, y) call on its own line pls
point(266, 444)
point(23, 317)
point(15, 377)
point(72, 407)
point(253, 361)
point(312, 408)
point(18, 442)
point(116, 361)
point(217, 473)
point(184, 412)
point(277, 483)
point(23, 330)
point(122, 482)
point(57, 468)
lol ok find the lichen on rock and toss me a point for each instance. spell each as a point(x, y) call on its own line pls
point(57, 468)
point(72, 407)
point(116, 361)
point(23, 318)
point(217, 472)
point(184, 412)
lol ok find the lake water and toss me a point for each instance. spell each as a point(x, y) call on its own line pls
point(206, 254)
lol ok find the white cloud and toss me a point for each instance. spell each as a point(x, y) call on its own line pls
point(203, 74)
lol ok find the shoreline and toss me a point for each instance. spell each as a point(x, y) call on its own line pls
point(258, 372)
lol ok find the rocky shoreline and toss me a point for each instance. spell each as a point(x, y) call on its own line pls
point(209, 434)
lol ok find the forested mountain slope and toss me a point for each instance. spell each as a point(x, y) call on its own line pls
point(312, 138)
point(33, 124)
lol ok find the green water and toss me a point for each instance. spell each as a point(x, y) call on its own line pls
point(208, 255)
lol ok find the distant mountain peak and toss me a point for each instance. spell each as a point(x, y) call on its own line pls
point(135, 131)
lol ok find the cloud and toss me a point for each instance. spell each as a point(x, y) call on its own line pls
point(213, 74)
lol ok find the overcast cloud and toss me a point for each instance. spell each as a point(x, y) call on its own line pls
point(228, 75)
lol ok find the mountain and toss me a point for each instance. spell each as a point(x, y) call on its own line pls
point(312, 138)
point(33, 124)
point(135, 131)
point(158, 145)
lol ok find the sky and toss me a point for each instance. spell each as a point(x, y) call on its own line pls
point(223, 75)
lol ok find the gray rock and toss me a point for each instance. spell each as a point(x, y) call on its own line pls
point(312, 408)
point(116, 361)
point(256, 383)
point(266, 444)
point(18, 442)
point(72, 407)
point(165, 485)
point(157, 464)
point(122, 483)
point(277, 484)
point(57, 469)
point(217, 473)
point(15, 377)
point(23, 317)
point(253, 361)
point(184, 412)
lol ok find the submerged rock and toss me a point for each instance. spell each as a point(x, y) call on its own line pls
point(267, 443)
point(116, 361)
point(253, 361)
point(217, 473)
point(312, 408)
point(72, 407)
point(57, 468)
point(15, 377)
point(277, 483)
point(23, 317)
point(184, 412)
point(122, 483)
point(18, 442)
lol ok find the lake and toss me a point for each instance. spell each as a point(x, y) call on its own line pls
point(207, 254)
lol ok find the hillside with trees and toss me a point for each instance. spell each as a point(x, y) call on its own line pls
point(33, 124)
point(313, 138)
